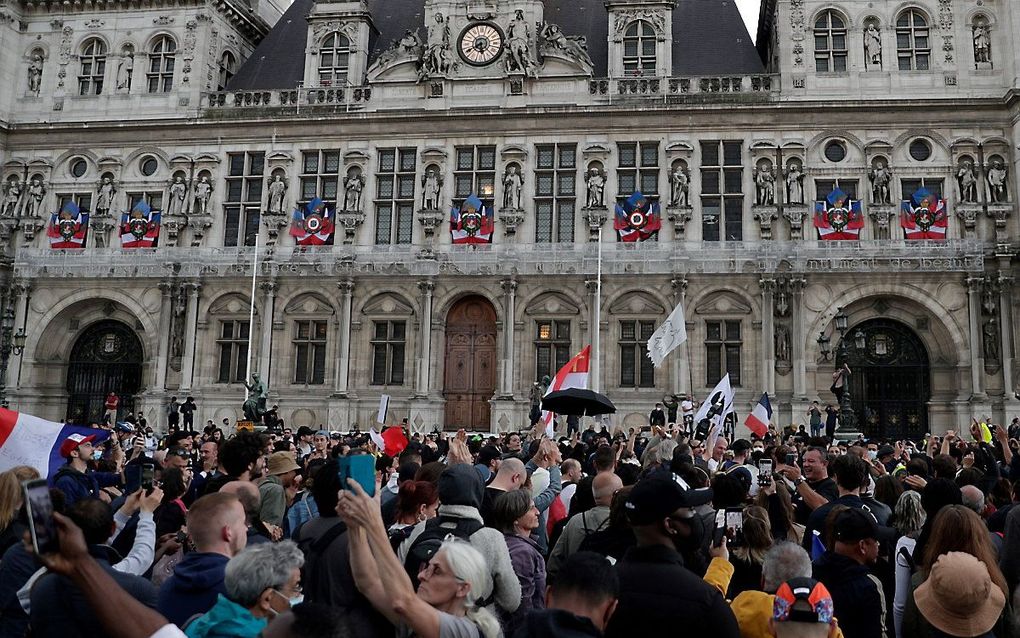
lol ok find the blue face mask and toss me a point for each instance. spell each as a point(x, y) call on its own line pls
point(97, 455)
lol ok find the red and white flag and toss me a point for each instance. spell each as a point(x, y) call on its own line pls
point(574, 374)
point(760, 417)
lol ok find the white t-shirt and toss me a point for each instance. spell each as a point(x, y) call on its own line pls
point(168, 631)
point(450, 626)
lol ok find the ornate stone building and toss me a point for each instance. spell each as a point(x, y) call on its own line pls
point(551, 112)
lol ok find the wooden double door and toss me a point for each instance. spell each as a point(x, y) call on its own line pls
point(471, 361)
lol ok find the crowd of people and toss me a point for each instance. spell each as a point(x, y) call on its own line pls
point(598, 533)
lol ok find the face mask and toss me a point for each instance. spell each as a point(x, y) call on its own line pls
point(697, 535)
point(97, 455)
point(297, 600)
point(872, 455)
point(759, 449)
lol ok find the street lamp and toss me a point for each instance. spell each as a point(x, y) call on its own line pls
point(9, 343)
point(824, 347)
point(847, 417)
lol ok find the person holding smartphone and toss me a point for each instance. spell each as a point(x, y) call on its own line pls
point(76, 480)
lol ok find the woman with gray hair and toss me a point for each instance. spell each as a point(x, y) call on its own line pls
point(909, 519)
point(262, 582)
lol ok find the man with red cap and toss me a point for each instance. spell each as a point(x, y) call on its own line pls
point(75, 480)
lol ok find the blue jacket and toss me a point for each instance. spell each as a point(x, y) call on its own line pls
point(857, 597)
point(16, 568)
point(226, 619)
point(78, 486)
point(196, 582)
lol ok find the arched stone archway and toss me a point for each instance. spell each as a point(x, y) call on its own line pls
point(106, 357)
point(470, 379)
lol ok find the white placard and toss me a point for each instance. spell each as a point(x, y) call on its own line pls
point(384, 406)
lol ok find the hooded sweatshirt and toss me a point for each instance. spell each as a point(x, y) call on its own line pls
point(226, 619)
point(196, 582)
point(857, 597)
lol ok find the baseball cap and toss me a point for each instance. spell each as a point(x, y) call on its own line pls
point(854, 525)
point(659, 495)
point(72, 442)
point(322, 433)
point(802, 600)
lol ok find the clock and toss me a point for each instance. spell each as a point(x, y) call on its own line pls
point(481, 43)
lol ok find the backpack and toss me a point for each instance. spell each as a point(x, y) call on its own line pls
point(314, 576)
point(431, 539)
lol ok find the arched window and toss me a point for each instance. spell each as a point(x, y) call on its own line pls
point(830, 43)
point(93, 67)
point(227, 67)
point(334, 59)
point(162, 56)
point(639, 44)
point(913, 47)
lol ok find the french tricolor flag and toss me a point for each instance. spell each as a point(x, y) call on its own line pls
point(760, 417)
point(29, 440)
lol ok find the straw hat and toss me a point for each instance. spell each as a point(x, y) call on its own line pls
point(959, 597)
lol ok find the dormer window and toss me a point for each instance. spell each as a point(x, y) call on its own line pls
point(228, 65)
point(639, 44)
point(830, 43)
point(162, 59)
point(334, 59)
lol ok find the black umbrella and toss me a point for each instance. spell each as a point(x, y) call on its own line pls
point(578, 402)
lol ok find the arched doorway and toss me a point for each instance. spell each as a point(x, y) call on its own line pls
point(891, 381)
point(106, 356)
point(470, 378)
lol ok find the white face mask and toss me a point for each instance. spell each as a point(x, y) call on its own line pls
point(872, 455)
point(758, 449)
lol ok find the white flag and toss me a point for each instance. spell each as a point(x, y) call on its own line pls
point(668, 336)
point(722, 397)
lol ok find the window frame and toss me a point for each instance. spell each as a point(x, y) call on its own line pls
point(639, 33)
point(332, 47)
point(389, 344)
point(911, 52)
point(555, 206)
point(244, 210)
point(634, 350)
point(162, 57)
point(313, 349)
point(830, 54)
point(727, 202)
point(559, 346)
point(480, 174)
point(320, 182)
point(237, 347)
point(936, 185)
point(725, 346)
point(227, 69)
point(92, 67)
point(394, 214)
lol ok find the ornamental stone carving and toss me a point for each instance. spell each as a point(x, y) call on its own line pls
point(553, 42)
point(436, 59)
point(657, 19)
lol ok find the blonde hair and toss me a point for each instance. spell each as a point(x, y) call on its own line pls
point(10, 492)
point(468, 565)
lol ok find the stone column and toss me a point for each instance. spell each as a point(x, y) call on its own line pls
point(424, 364)
point(594, 331)
point(163, 334)
point(681, 368)
point(977, 364)
point(343, 357)
point(1006, 334)
point(797, 335)
point(266, 345)
point(190, 336)
point(768, 328)
point(507, 361)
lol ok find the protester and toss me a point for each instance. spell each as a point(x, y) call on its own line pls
point(959, 598)
point(579, 603)
point(517, 517)
point(586, 523)
point(910, 519)
point(75, 479)
point(12, 524)
point(803, 609)
point(278, 487)
point(511, 476)
point(749, 556)
point(417, 501)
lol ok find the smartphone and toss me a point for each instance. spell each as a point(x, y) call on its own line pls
point(735, 526)
point(791, 459)
point(361, 468)
point(148, 476)
point(720, 528)
point(41, 525)
point(765, 472)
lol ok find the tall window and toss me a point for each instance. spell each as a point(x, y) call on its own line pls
point(233, 346)
point(228, 64)
point(162, 56)
point(638, 169)
point(722, 199)
point(93, 67)
point(153, 198)
point(388, 341)
point(555, 185)
point(475, 173)
point(320, 174)
point(825, 186)
point(310, 352)
point(639, 44)
point(913, 47)
point(552, 347)
point(830, 43)
point(243, 198)
point(909, 186)
point(722, 351)
point(636, 369)
point(334, 59)
point(394, 196)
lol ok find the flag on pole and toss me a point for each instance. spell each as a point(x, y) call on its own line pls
point(721, 398)
point(668, 336)
point(29, 440)
point(760, 417)
point(574, 374)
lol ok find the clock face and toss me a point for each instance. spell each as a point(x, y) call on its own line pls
point(481, 43)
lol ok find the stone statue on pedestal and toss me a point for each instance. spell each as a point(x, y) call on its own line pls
point(105, 198)
point(353, 185)
point(35, 70)
point(178, 193)
point(679, 187)
point(881, 177)
point(765, 185)
point(967, 181)
point(12, 195)
point(255, 405)
point(982, 44)
point(203, 190)
point(33, 199)
point(512, 183)
point(277, 189)
point(432, 185)
point(596, 183)
point(873, 45)
point(795, 184)
point(997, 182)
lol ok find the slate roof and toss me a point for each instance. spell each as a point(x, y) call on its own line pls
point(709, 38)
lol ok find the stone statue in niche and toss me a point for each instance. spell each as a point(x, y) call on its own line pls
point(354, 184)
point(518, 46)
point(277, 189)
point(12, 195)
point(596, 185)
point(795, 183)
point(512, 184)
point(967, 181)
point(35, 69)
point(990, 339)
point(432, 185)
point(982, 43)
point(873, 45)
point(880, 177)
point(679, 187)
point(765, 185)
point(203, 191)
point(178, 193)
point(104, 201)
point(782, 343)
point(177, 331)
point(33, 198)
point(997, 182)
point(125, 69)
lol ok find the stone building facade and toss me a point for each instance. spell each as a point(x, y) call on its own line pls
point(226, 116)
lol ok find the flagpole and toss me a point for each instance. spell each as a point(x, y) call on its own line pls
point(596, 333)
point(251, 312)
